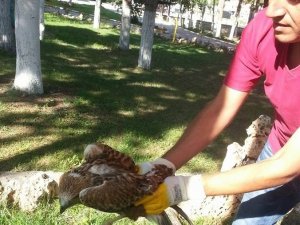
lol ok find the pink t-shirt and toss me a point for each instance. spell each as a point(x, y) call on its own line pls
point(259, 54)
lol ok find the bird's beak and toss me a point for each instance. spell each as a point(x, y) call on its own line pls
point(63, 205)
point(62, 209)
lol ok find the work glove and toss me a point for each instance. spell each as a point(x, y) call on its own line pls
point(145, 167)
point(174, 190)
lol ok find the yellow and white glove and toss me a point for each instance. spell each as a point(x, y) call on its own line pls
point(174, 190)
point(145, 167)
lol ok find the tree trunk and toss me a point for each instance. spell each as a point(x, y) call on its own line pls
point(213, 16)
point(234, 25)
point(147, 34)
point(96, 23)
point(42, 24)
point(7, 31)
point(180, 14)
point(202, 10)
point(253, 9)
point(28, 77)
point(219, 18)
point(161, 10)
point(191, 22)
point(169, 12)
point(125, 26)
point(235, 20)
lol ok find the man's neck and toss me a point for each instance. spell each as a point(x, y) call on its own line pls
point(294, 55)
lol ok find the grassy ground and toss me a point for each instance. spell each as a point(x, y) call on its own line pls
point(95, 92)
point(85, 9)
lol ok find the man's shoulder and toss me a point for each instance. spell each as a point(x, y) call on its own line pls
point(258, 31)
point(260, 25)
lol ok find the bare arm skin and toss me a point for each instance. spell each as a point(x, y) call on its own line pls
point(277, 170)
point(207, 125)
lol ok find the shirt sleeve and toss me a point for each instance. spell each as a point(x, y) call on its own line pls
point(244, 71)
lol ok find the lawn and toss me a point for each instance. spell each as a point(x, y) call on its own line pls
point(85, 9)
point(95, 92)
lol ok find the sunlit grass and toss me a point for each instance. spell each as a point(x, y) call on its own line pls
point(86, 9)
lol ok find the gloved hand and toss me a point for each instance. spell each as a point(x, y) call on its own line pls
point(148, 166)
point(174, 190)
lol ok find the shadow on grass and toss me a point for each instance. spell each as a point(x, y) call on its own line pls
point(93, 91)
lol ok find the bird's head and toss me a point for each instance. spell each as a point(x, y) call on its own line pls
point(70, 185)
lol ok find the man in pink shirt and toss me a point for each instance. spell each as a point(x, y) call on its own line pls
point(269, 49)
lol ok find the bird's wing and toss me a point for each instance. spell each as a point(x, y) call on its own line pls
point(117, 186)
point(116, 193)
point(100, 153)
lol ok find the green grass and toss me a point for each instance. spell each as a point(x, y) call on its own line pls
point(95, 92)
point(86, 9)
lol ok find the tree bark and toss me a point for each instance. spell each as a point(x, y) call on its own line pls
point(28, 77)
point(42, 24)
point(145, 54)
point(125, 26)
point(180, 14)
point(7, 31)
point(253, 9)
point(219, 18)
point(97, 12)
point(213, 15)
point(235, 20)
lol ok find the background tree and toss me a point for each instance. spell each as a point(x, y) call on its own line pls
point(145, 53)
point(125, 25)
point(219, 18)
point(97, 12)
point(7, 31)
point(42, 24)
point(28, 77)
point(202, 4)
point(184, 5)
point(234, 20)
point(213, 15)
point(253, 8)
point(191, 10)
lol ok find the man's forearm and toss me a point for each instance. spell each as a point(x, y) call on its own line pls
point(195, 138)
point(281, 168)
point(240, 180)
point(206, 126)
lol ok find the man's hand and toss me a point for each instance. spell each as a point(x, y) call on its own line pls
point(174, 190)
point(145, 167)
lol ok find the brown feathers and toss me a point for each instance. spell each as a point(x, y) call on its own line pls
point(108, 180)
point(103, 154)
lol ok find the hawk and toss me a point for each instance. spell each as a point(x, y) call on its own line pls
point(108, 180)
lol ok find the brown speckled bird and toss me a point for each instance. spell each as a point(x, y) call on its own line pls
point(108, 180)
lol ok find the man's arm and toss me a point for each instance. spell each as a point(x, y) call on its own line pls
point(277, 170)
point(281, 168)
point(206, 126)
